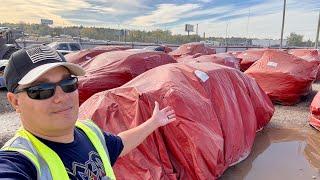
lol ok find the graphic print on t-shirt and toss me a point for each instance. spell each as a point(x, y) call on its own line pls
point(92, 169)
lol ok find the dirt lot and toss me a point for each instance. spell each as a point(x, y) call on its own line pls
point(9, 119)
point(288, 148)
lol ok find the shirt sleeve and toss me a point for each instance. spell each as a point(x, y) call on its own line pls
point(14, 165)
point(114, 146)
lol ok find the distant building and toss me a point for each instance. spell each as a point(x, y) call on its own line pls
point(211, 43)
point(268, 42)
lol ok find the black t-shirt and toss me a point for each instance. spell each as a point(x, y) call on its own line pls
point(79, 157)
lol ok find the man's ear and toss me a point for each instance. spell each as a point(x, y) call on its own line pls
point(14, 101)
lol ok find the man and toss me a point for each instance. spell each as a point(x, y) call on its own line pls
point(52, 144)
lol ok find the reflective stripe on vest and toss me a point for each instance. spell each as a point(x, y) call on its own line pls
point(47, 162)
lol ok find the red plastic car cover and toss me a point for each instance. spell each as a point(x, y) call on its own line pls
point(218, 109)
point(163, 48)
point(87, 54)
point(113, 69)
point(248, 57)
point(221, 58)
point(314, 118)
point(234, 53)
point(192, 49)
point(167, 49)
point(309, 55)
point(284, 77)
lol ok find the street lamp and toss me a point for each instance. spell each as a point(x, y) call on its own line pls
point(80, 33)
point(318, 29)
point(283, 18)
point(247, 41)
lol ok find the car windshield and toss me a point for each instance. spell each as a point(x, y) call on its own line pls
point(62, 46)
point(75, 47)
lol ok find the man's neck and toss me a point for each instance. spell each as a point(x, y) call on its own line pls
point(66, 136)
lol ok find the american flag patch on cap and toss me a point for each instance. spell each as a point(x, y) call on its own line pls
point(42, 53)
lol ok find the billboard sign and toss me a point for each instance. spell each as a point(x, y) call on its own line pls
point(188, 28)
point(46, 21)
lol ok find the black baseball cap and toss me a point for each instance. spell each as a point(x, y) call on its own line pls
point(27, 65)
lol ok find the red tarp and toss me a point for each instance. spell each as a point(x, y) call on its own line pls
point(314, 118)
point(113, 69)
point(167, 49)
point(309, 55)
point(87, 54)
point(218, 110)
point(192, 49)
point(235, 53)
point(284, 77)
point(163, 48)
point(248, 57)
point(221, 58)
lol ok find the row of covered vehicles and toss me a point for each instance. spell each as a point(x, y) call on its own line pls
point(221, 101)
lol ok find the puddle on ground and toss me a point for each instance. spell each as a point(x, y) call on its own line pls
point(280, 154)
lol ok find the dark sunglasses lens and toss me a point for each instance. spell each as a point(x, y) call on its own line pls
point(69, 85)
point(47, 90)
point(44, 91)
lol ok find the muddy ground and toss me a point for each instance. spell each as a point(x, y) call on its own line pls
point(288, 148)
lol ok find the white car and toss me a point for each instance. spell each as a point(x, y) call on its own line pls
point(65, 47)
point(3, 64)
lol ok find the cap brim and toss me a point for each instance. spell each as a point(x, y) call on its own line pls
point(35, 73)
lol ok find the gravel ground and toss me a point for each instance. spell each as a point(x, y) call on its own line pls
point(4, 104)
point(285, 117)
point(295, 116)
point(9, 119)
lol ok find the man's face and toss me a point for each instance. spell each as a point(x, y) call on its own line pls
point(54, 115)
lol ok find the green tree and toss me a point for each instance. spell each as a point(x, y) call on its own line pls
point(295, 39)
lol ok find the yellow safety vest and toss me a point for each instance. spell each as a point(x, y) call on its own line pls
point(47, 162)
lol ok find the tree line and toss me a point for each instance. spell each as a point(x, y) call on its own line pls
point(156, 36)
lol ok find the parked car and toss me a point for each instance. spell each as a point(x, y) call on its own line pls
point(3, 64)
point(65, 47)
point(162, 48)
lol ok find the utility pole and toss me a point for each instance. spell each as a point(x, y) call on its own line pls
point(247, 41)
point(197, 31)
point(125, 36)
point(318, 29)
point(80, 28)
point(283, 19)
point(226, 43)
point(119, 31)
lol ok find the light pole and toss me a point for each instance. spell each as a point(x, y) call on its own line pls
point(226, 42)
point(247, 41)
point(283, 19)
point(318, 29)
point(80, 28)
point(197, 32)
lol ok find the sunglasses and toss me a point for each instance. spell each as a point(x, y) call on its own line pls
point(47, 90)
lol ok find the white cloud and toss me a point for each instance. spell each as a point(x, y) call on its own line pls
point(119, 7)
point(265, 18)
point(33, 10)
point(264, 22)
point(122, 3)
point(165, 13)
point(205, 1)
point(215, 10)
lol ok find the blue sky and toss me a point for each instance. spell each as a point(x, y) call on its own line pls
point(245, 18)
